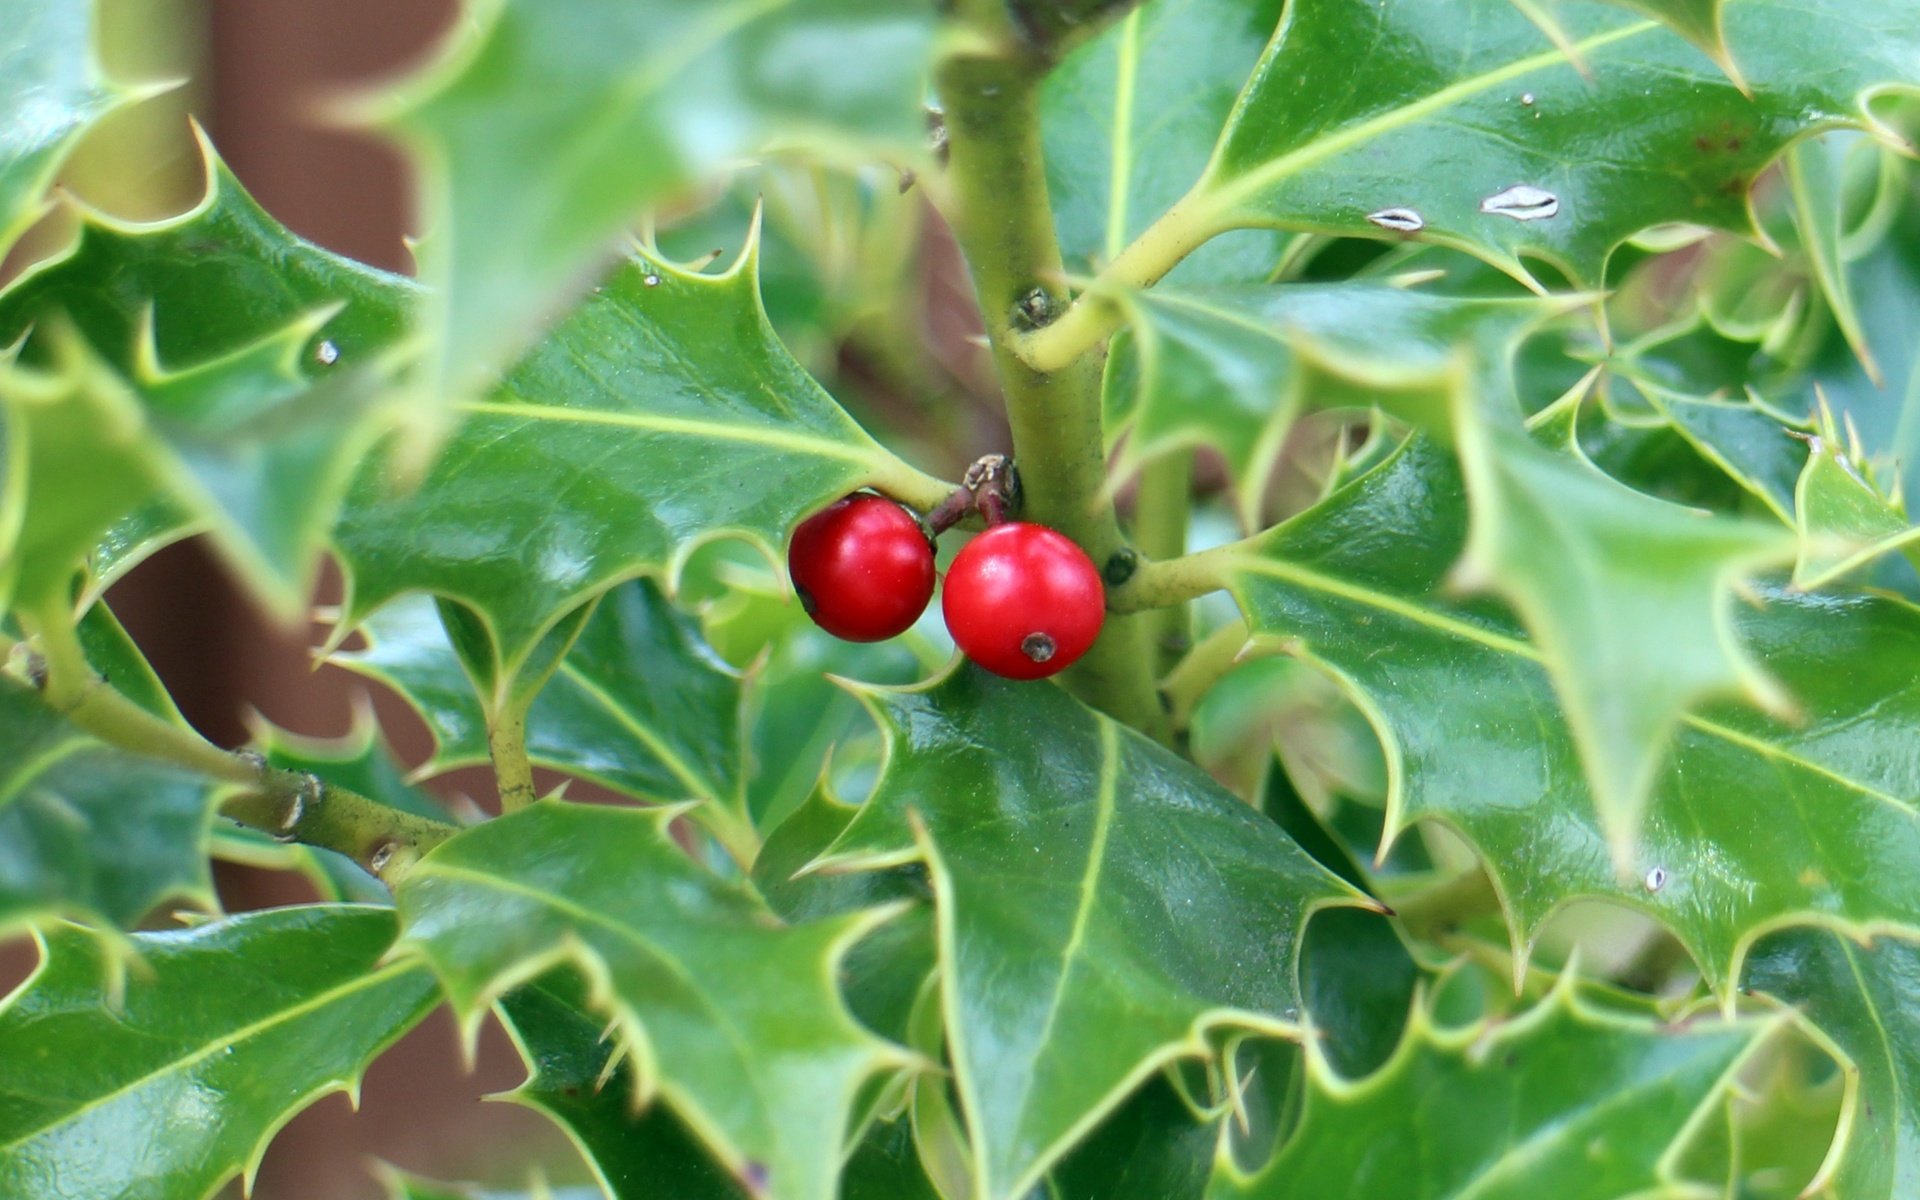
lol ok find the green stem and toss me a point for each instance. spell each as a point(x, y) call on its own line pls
point(1162, 509)
point(1203, 667)
point(1174, 581)
point(1004, 224)
point(1178, 232)
point(512, 769)
point(290, 805)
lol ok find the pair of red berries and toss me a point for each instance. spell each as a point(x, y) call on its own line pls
point(1021, 600)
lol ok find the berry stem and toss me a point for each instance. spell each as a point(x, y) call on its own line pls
point(1004, 224)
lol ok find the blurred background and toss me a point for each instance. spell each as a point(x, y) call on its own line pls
point(257, 73)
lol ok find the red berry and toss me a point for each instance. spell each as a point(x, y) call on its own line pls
point(1023, 601)
point(863, 567)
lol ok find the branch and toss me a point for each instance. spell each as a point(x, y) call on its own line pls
point(1172, 581)
point(1004, 223)
point(1092, 318)
point(290, 805)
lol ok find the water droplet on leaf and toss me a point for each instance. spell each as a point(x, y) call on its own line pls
point(326, 353)
point(650, 279)
point(1656, 879)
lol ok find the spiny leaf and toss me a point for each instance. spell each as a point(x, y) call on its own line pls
point(1754, 822)
point(1626, 596)
point(211, 370)
point(1128, 120)
point(1501, 147)
point(661, 414)
point(52, 89)
point(640, 703)
point(1865, 999)
point(1073, 864)
point(1844, 520)
point(585, 1083)
point(226, 1032)
point(551, 126)
point(730, 1017)
point(1563, 1101)
point(88, 832)
point(1699, 21)
point(1231, 367)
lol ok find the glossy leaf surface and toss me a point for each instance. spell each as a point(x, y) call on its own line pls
point(551, 127)
point(573, 1078)
point(1080, 947)
point(1561, 1101)
point(659, 415)
point(1130, 117)
point(640, 703)
point(1231, 367)
point(213, 366)
point(226, 1030)
point(1754, 822)
point(1866, 999)
point(732, 1018)
point(1629, 599)
point(1501, 147)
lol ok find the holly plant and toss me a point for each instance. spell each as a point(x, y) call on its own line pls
point(1423, 699)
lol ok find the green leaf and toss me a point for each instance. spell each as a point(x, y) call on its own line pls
point(402, 1186)
point(1231, 367)
point(210, 368)
point(1699, 21)
point(1470, 107)
point(91, 833)
point(51, 90)
point(226, 1031)
point(1150, 1148)
point(1563, 1101)
point(550, 491)
point(1864, 999)
point(641, 703)
point(1075, 861)
point(1128, 121)
point(551, 126)
point(1627, 598)
point(732, 1018)
point(1754, 823)
point(587, 1086)
point(1844, 519)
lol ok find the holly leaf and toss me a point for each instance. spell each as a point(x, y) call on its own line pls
point(550, 127)
point(1862, 998)
point(1231, 367)
point(1699, 21)
point(640, 703)
point(1627, 597)
point(551, 490)
point(53, 89)
point(1844, 519)
point(91, 833)
point(587, 1084)
point(1128, 119)
point(1564, 1100)
point(207, 371)
point(226, 1032)
point(1128, 957)
point(730, 1017)
point(1473, 134)
point(1755, 822)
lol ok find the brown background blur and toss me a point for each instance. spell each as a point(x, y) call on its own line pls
point(259, 71)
